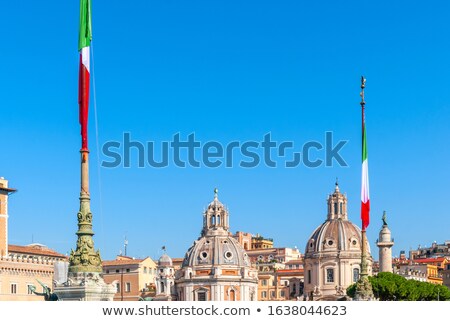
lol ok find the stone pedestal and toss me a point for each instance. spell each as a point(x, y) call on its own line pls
point(85, 286)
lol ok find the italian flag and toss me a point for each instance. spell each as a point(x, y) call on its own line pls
point(84, 42)
point(365, 201)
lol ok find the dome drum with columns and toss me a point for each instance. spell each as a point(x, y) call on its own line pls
point(333, 253)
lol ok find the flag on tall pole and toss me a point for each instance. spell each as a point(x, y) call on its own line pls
point(365, 199)
point(84, 42)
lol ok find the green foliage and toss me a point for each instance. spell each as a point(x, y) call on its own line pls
point(392, 287)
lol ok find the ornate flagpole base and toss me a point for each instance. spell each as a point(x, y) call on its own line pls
point(364, 290)
point(85, 286)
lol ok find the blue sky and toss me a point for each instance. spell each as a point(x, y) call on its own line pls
point(226, 70)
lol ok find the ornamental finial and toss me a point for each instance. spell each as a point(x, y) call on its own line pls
point(363, 85)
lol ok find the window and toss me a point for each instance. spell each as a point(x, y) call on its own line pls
point(335, 208)
point(107, 271)
point(281, 294)
point(127, 287)
point(264, 282)
point(272, 294)
point(145, 269)
point(117, 271)
point(330, 275)
point(263, 294)
point(309, 276)
point(340, 207)
point(355, 275)
point(128, 270)
point(201, 296)
point(232, 295)
point(117, 287)
point(13, 288)
point(28, 288)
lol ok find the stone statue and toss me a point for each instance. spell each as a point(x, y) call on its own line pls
point(384, 219)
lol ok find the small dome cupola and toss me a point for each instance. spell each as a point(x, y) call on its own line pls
point(215, 218)
point(337, 205)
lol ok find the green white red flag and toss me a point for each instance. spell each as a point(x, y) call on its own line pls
point(365, 200)
point(84, 42)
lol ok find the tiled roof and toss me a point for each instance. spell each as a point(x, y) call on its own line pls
point(34, 249)
point(289, 271)
point(294, 261)
point(429, 260)
point(122, 262)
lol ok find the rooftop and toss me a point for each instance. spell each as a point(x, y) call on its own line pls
point(34, 249)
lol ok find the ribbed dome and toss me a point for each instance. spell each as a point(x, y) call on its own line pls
point(216, 250)
point(165, 260)
point(335, 235)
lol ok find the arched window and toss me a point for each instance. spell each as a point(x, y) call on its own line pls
point(330, 276)
point(335, 208)
point(218, 219)
point(355, 275)
point(340, 209)
point(232, 295)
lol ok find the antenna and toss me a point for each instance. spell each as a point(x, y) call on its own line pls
point(125, 245)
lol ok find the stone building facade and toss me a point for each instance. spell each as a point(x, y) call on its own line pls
point(134, 278)
point(21, 267)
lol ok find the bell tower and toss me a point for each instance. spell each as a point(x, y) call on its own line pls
point(337, 205)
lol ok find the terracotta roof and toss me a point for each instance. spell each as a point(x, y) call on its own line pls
point(431, 259)
point(178, 259)
point(122, 262)
point(34, 249)
point(294, 261)
point(289, 271)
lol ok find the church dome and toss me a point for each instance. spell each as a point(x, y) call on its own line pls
point(216, 266)
point(165, 260)
point(337, 233)
point(213, 250)
point(333, 254)
point(216, 245)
